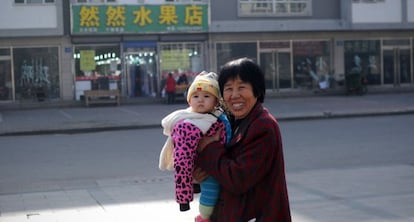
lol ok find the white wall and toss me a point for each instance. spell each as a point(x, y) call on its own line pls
point(27, 16)
point(410, 10)
point(388, 11)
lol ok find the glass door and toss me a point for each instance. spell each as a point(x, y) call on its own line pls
point(276, 66)
point(283, 70)
point(6, 85)
point(268, 66)
point(141, 78)
point(397, 65)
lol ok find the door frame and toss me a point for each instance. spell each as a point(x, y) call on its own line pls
point(152, 87)
point(8, 58)
point(396, 49)
point(127, 77)
point(275, 66)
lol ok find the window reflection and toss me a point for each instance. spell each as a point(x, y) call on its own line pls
point(36, 73)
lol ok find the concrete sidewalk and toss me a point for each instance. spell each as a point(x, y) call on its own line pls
point(135, 116)
point(377, 194)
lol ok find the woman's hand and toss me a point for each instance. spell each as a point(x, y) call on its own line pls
point(199, 175)
point(208, 139)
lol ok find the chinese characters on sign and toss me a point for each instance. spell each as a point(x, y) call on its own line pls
point(138, 18)
point(142, 16)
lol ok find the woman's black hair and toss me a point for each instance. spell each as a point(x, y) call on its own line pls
point(248, 71)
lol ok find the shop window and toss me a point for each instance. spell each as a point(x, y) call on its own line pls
point(363, 56)
point(181, 58)
point(93, 61)
point(312, 65)
point(97, 67)
point(184, 61)
point(230, 51)
point(36, 73)
point(275, 7)
point(4, 52)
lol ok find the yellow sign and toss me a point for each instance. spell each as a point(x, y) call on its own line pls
point(175, 60)
point(87, 60)
point(102, 18)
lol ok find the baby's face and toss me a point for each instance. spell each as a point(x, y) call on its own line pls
point(202, 102)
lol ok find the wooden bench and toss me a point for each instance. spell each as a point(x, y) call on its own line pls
point(181, 89)
point(102, 96)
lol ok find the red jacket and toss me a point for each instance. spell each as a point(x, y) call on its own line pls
point(250, 170)
point(170, 84)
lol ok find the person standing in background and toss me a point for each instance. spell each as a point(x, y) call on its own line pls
point(170, 86)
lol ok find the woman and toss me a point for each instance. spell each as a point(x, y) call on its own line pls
point(250, 169)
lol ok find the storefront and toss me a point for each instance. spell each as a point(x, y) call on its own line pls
point(382, 61)
point(309, 65)
point(287, 64)
point(137, 46)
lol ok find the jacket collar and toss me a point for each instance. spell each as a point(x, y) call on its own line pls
point(243, 125)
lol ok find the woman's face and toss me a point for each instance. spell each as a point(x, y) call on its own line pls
point(239, 97)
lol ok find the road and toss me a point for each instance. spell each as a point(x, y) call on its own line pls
point(351, 142)
point(329, 149)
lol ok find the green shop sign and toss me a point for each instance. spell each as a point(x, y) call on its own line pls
point(107, 19)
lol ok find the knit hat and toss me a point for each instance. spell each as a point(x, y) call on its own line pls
point(206, 82)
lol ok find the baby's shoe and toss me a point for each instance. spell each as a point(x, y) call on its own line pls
point(200, 219)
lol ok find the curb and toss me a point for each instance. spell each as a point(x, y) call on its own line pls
point(330, 115)
point(324, 115)
point(78, 130)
